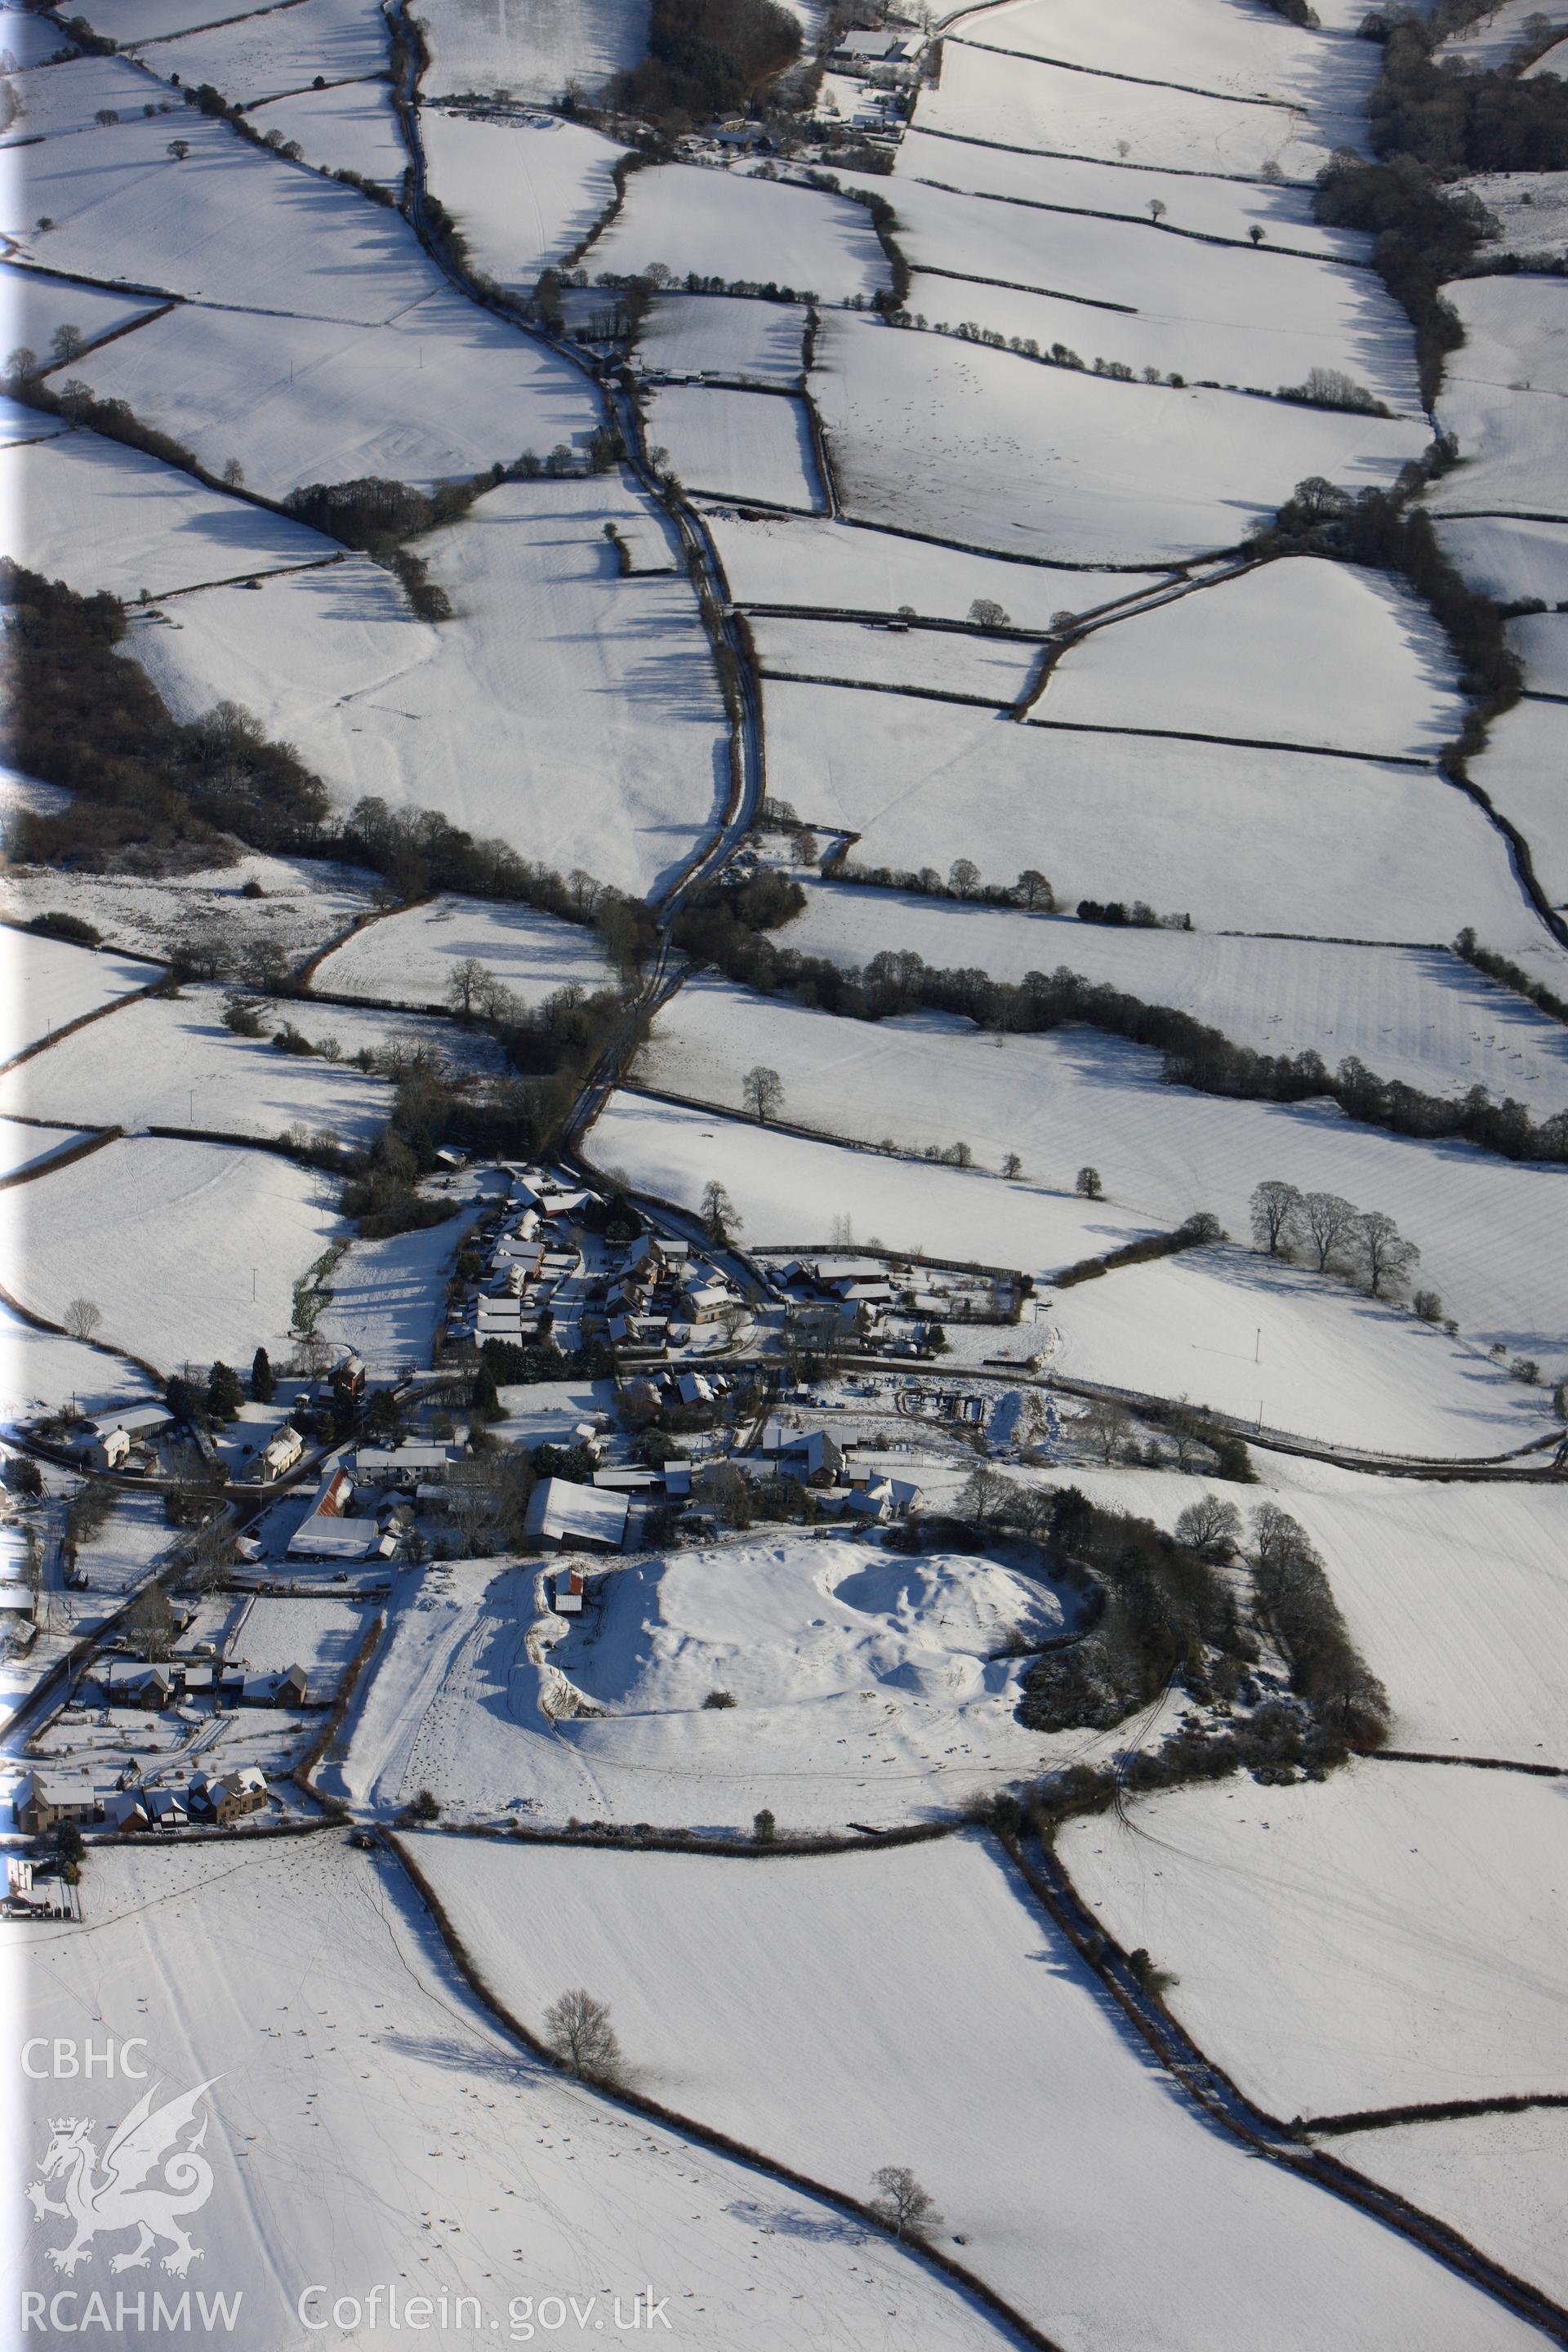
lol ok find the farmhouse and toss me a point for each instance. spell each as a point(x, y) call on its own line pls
point(231, 1797)
point(562, 1513)
point(280, 1453)
point(38, 1804)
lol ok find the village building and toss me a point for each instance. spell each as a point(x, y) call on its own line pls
point(40, 1803)
point(562, 1513)
point(280, 1453)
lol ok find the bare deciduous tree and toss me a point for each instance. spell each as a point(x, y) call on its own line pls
point(987, 613)
point(720, 1218)
point(1276, 1213)
point(1211, 1527)
point(903, 2204)
point(577, 2029)
point(763, 1092)
point(1384, 1257)
point(1327, 1221)
point(466, 983)
point(82, 1319)
point(1105, 1425)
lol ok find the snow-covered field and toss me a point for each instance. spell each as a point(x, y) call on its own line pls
point(35, 304)
point(261, 55)
point(29, 1147)
point(723, 334)
point(1233, 49)
point(1509, 560)
point(777, 560)
point(409, 958)
point(48, 983)
point(1502, 396)
point(1531, 208)
point(756, 232)
point(1079, 1096)
point(1497, 2179)
point(226, 218)
point(349, 128)
point(1457, 1599)
point(792, 1190)
point(54, 102)
point(190, 1250)
point(1299, 652)
point(1540, 641)
point(959, 441)
point(522, 193)
point(31, 38)
point(319, 1635)
point(304, 903)
point(990, 670)
point(131, 22)
point(1239, 839)
point(1018, 102)
point(41, 1371)
point(1129, 291)
point(441, 389)
point(572, 712)
point(774, 2000)
point(373, 2127)
point(1492, 40)
point(1389, 1937)
point(388, 1297)
point(1521, 770)
point(98, 515)
point(1250, 1336)
point(736, 443)
point(1212, 206)
point(536, 52)
point(162, 1063)
point(1418, 1014)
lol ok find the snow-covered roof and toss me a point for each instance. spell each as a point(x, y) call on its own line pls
point(559, 1511)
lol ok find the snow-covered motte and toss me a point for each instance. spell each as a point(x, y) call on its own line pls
point(1087, 2190)
point(1339, 1947)
point(304, 903)
point(1502, 398)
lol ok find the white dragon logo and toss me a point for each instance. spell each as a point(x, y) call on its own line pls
point(123, 2198)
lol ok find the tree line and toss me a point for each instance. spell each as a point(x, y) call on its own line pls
point(721, 928)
